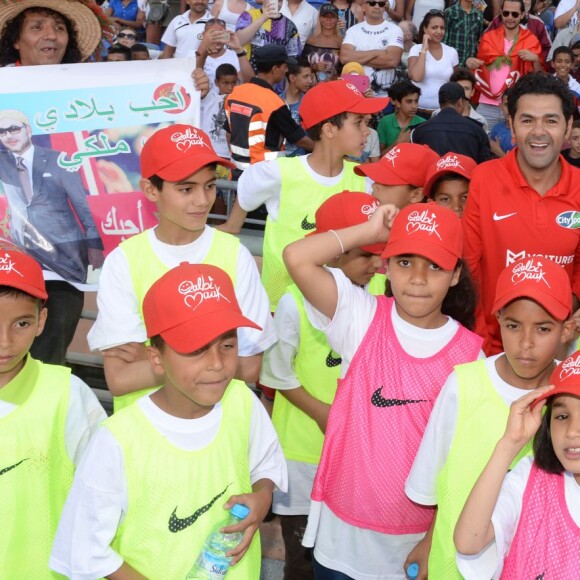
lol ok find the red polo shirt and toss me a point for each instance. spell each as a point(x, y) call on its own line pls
point(506, 219)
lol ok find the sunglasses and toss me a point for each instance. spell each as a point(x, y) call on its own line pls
point(436, 12)
point(506, 13)
point(13, 130)
point(125, 35)
point(374, 3)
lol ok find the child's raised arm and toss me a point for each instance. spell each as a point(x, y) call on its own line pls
point(474, 530)
point(305, 258)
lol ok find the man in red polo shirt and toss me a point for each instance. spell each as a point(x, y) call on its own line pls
point(528, 202)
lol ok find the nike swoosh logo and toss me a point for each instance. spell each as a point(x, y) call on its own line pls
point(378, 401)
point(306, 225)
point(497, 218)
point(178, 524)
point(333, 361)
point(7, 469)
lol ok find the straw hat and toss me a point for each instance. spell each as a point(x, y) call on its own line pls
point(89, 20)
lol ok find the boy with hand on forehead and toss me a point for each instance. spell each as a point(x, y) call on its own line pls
point(209, 442)
point(178, 166)
point(533, 305)
point(47, 416)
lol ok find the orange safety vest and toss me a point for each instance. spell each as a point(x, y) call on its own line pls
point(248, 109)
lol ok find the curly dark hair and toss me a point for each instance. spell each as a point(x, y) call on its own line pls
point(541, 83)
point(13, 29)
point(461, 299)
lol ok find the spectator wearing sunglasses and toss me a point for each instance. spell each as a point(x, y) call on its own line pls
point(377, 44)
point(534, 25)
point(505, 54)
point(431, 62)
point(463, 29)
point(126, 37)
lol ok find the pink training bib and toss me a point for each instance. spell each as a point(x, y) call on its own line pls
point(376, 424)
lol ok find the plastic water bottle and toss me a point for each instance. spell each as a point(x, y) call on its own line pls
point(342, 25)
point(413, 570)
point(212, 563)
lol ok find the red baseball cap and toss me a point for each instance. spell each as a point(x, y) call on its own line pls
point(345, 209)
point(191, 305)
point(403, 164)
point(565, 378)
point(326, 100)
point(21, 271)
point(449, 163)
point(178, 151)
point(427, 230)
point(538, 279)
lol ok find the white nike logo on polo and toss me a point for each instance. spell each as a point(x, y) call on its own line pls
point(497, 218)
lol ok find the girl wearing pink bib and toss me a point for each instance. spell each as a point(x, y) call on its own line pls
point(397, 352)
point(528, 524)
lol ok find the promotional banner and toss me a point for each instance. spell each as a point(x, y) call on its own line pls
point(70, 140)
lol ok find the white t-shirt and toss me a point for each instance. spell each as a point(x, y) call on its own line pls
point(211, 64)
point(505, 518)
point(82, 418)
point(440, 431)
point(213, 118)
point(364, 36)
point(118, 321)
point(437, 72)
point(305, 19)
point(183, 34)
point(261, 184)
point(98, 499)
point(563, 7)
point(361, 553)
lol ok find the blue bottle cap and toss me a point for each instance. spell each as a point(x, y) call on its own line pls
point(413, 570)
point(240, 511)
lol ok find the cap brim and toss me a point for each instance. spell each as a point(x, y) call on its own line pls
point(558, 310)
point(436, 176)
point(32, 290)
point(437, 254)
point(366, 105)
point(190, 165)
point(562, 390)
point(380, 173)
point(197, 333)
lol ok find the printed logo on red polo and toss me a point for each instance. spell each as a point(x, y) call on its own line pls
point(422, 222)
point(530, 270)
point(512, 257)
point(449, 162)
point(369, 209)
point(190, 138)
point(8, 265)
point(392, 154)
point(198, 292)
point(570, 367)
point(569, 220)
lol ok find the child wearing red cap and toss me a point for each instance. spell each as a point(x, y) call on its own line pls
point(178, 168)
point(396, 353)
point(399, 176)
point(528, 523)
point(304, 369)
point(161, 473)
point(293, 189)
point(447, 181)
point(46, 418)
point(533, 303)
